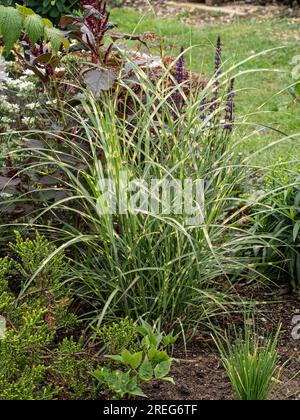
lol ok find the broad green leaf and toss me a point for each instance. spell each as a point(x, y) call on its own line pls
point(152, 353)
point(34, 27)
point(170, 339)
point(11, 22)
point(66, 43)
point(101, 374)
point(146, 370)
point(47, 22)
point(126, 357)
point(162, 369)
point(134, 389)
point(26, 11)
point(55, 37)
point(115, 358)
point(145, 328)
point(152, 339)
point(136, 360)
point(157, 356)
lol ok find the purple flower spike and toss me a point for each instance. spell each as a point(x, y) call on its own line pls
point(218, 57)
point(179, 76)
point(230, 107)
point(218, 70)
point(203, 105)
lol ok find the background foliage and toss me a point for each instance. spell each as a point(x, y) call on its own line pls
point(47, 8)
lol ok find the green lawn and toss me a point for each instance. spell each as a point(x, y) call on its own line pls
point(259, 99)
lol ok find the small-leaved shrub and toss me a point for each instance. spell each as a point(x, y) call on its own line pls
point(32, 366)
point(71, 368)
point(118, 336)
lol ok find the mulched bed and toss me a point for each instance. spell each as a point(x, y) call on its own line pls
point(195, 13)
point(199, 374)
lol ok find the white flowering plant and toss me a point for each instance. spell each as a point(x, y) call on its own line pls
point(22, 102)
point(15, 96)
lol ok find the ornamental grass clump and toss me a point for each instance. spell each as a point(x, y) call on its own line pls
point(250, 361)
point(157, 260)
point(161, 259)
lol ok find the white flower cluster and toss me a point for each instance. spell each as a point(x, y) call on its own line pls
point(31, 106)
point(3, 74)
point(21, 85)
point(8, 107)
point(8, 113)
point(14, 94)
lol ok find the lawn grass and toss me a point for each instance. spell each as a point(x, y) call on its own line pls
point(258, 99)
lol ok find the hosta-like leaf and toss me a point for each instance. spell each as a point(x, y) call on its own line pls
point(146, 370)
point(168, 379)
point(126, 357)
point(136, 360)
point(162, 369)
point(11, 22)
point(157, 356)
point(135, 390)
point(34, 27)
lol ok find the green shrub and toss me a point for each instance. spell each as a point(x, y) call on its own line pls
point(5, 266)
point(118, 336)
point(44, 278)
point(71, 368)
point(32, 321)
point(22, 371)
point(52, 9)
point(31, 254)
point(30, 385)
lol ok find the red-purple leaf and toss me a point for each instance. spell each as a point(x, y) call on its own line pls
point(99, 80)
point(9, 182)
